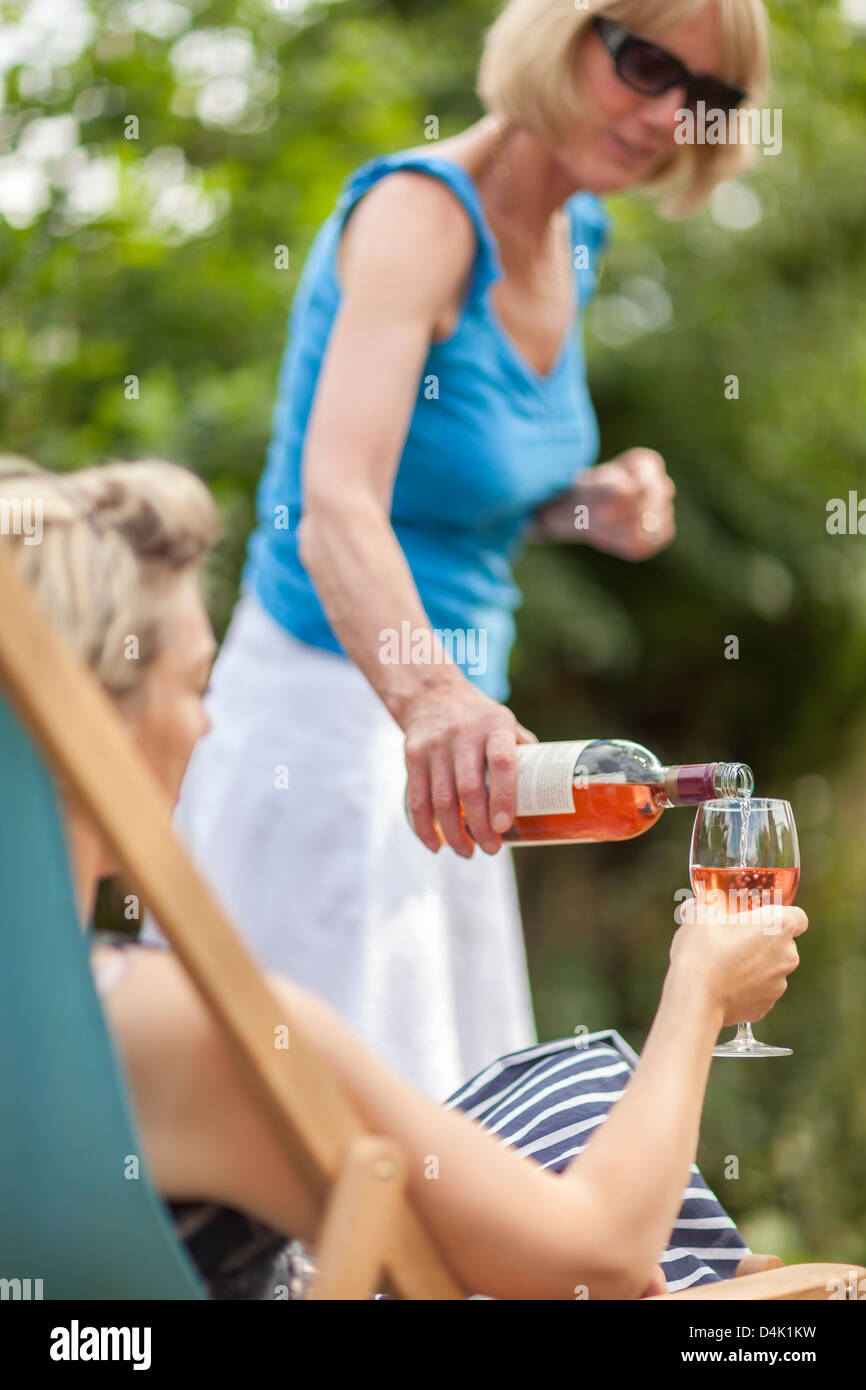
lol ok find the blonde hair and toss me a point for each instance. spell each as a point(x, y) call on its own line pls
point(108, 542)
point(527, 75)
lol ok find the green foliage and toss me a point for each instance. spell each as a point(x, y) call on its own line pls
point(174, 282)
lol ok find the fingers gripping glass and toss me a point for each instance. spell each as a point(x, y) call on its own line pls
point(652, 71)
point(745, 859)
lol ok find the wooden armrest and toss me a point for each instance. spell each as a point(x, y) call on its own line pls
point(758, 1264)
point(813, 1283)
point(360, 1219)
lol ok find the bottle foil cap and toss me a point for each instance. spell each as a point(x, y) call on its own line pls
point(690, 783)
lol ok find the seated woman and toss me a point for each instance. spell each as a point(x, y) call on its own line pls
point(118, 558)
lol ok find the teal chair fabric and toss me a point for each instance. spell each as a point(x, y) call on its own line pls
point(72, 1213)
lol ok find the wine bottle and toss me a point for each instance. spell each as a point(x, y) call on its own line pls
point(608, 789)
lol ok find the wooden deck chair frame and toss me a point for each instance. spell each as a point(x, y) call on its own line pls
point(369, 1236)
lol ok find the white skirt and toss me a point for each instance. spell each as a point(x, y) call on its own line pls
point(293, 809)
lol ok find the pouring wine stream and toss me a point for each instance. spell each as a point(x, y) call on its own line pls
point(745, 1038)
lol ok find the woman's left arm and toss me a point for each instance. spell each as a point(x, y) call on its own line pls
point(625, 508)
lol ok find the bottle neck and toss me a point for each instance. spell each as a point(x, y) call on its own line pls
point(689, 784)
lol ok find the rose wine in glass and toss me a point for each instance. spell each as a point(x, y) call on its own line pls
point(745, 859)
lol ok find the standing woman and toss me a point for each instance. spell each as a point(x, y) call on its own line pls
point(433, 410)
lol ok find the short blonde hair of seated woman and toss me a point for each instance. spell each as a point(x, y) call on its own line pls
point(527, 77)
point(112, 539)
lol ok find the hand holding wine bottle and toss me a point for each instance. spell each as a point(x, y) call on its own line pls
point(548, 793)
point(461, 760)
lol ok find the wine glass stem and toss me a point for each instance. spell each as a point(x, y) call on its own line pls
point(744, 1034)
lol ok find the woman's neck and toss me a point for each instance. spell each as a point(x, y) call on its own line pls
point(518, 176)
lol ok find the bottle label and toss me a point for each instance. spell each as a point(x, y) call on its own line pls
point(545, 777)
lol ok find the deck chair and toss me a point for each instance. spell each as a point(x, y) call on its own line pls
point(76, 1207)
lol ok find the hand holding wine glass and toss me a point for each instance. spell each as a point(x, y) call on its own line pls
point(733, 962)
point(745, 859)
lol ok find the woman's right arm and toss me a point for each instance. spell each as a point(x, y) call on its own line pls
point(405, 258)
point(721, 973)
point(505, 1227)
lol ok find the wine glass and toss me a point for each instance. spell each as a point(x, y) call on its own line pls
point(745, 853)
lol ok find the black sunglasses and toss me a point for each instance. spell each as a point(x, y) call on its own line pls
point(652, 71)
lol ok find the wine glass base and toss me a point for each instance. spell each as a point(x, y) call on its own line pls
point(736, 1048)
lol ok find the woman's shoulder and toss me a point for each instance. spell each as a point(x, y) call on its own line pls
point(591, 233)
point(591, 218)
point(111, 955)
point(424, 181)
point(418, 197)
point(419, 186)
point(435, 164)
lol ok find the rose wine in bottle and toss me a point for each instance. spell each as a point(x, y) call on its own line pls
point(608, 789)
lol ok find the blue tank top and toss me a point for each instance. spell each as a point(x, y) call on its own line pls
point(490, 441)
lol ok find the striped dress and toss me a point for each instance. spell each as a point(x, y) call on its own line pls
point(546, 1101)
